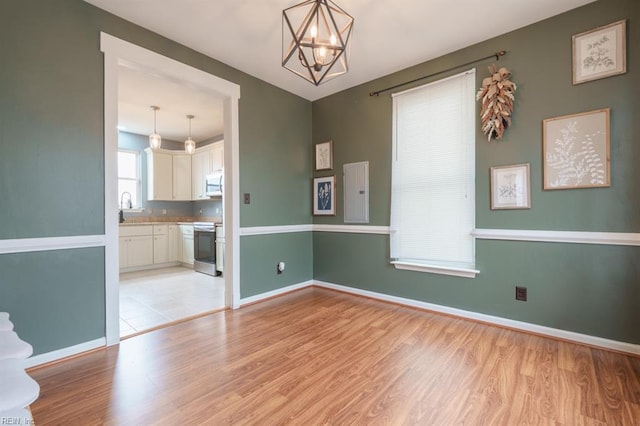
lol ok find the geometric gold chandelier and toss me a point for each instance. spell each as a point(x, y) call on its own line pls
point(315, 40)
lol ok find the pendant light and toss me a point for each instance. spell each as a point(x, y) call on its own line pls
point(154, 138)
point(315, 40)
point(190, 144)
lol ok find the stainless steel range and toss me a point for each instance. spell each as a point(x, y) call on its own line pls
point(204, 247)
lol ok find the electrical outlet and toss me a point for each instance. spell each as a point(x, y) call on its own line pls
point(521, 293)
point(164, 211)
point(280, 268)
point(200, 210)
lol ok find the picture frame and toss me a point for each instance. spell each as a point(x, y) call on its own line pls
point(600, 52)
point(324, 155)
point(576, 151)
point(324, 196)
point(510, 187)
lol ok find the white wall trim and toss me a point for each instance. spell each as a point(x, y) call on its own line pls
point(579, 237)
point(278, 229)
point(276, 292)
point(355, 229)
point(490, 319)
point(284, 229)
point(23, 245)
point(64, 352)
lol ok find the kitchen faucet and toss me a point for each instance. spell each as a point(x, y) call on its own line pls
point(121, 213)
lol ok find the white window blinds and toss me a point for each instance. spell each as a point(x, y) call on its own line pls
point(433, 173)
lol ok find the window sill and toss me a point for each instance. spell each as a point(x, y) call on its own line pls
point(435, 269)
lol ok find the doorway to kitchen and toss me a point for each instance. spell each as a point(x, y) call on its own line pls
point(119, 53)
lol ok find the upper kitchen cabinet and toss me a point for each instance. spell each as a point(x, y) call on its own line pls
point(168, 175)
point(217, 156)
point(205, 160)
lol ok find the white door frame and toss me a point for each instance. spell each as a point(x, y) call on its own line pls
point(118, 52)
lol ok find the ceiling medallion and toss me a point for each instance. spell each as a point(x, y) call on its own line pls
point(315, 40)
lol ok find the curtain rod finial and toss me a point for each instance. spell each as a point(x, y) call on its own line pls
point(500, 53)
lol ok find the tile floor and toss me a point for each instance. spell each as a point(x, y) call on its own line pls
point(160, 296)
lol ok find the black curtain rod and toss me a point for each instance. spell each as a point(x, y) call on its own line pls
point(497, 55)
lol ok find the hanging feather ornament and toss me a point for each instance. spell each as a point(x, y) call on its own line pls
point(497, 95)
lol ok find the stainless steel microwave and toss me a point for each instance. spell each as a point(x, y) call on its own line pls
point(214, 183)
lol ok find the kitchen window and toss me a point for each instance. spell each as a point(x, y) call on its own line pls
point(129, 179)
point(433, 177)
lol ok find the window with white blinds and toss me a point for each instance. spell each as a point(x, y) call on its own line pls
point(433, 177)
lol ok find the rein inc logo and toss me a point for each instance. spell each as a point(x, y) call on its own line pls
point(16, 421)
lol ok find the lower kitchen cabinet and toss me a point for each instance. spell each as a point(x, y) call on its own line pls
point(160, 244)
point(186, 234)
point(136, 246)
point(144, 246)
point(175, 246)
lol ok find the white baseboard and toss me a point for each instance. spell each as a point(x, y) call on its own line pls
point(600, 342)
point(276, 292)
point(64, 352)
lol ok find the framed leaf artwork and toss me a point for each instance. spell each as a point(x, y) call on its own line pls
point(575, 150)
point(324, 196)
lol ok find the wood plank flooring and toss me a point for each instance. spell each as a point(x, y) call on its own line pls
point(317, 356)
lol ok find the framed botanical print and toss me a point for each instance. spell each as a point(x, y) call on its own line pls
point(324, 155)
point(575, 150)
point(510, 187)
point(600, 53)
point(324, 196)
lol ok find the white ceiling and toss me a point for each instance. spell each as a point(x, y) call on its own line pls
point(138, 90)
point(388, 35)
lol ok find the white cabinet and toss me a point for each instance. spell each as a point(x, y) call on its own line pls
point(203, 162)
point(182, 177)
point(186, 233)
point(136, 246)
point(217, 156)
point(160, 244)
point(168, 175)
point(143, 246)
point(159, 175)
point(174, 243)
point(200, 168)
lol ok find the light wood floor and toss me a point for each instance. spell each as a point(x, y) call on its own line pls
point(321, 357)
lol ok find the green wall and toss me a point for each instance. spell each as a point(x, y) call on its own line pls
point(52, 161)
point(55, 298)
point(584, 288)
point(260, 257)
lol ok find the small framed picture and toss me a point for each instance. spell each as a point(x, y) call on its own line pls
point(324, 196)
point(575, 150)
point(600, 53)
point(324, 155)
point(510, 187)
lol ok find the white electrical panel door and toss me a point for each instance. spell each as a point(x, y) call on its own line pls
point(356, 192)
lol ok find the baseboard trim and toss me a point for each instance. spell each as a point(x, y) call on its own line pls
point(64, 353)
point(25, 245)
point(613, 345)
point(273, 293)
